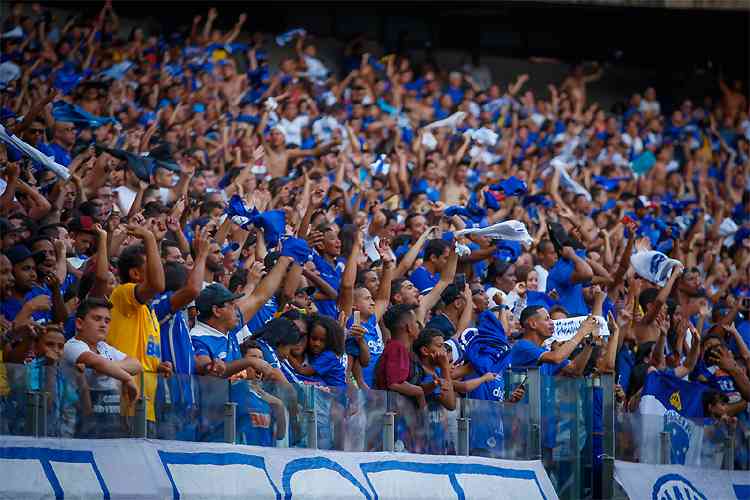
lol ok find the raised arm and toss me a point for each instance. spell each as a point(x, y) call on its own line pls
point(250, 305)
point(383, 297)
point(346, 295)
point(661, 298)
point(153, 283)
point(446, 278)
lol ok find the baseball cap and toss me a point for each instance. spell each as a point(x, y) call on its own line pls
point(19, 253)
point(82, 224)
point(214, 294)
point(450, 294)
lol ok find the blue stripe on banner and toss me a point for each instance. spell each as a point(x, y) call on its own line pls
point(317, 463)
point(48, 455)
point(450, 470)
point(203, 458)
point(742, 491)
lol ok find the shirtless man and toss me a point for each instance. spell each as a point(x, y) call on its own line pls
point(732, 99)
point(454, 190)
point(277, 154)
point(576, 82)
point(654, 304)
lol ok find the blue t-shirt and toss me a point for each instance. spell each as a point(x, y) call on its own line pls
point(329, 369)
point(269, 355)
point(571, 294)
point(374, 339)
point(61, 155)
point(331, 275)
point(263, 316)
point(625, 362)
point(11, 306)
point(208, 341)
point(423, 280)
point(254, 417)
point(526, 354)
point(176, 345)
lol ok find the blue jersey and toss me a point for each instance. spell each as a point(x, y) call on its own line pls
point(61, 155)
point(208, 341)
point(254, 418)
point(571, 294)
point(264, 315)
point(374, 339)
point(176, 345)
point(329, 369)
point(526, 354)
point(11, 306)
point(423, 280)
point(717, 379)
point(331, 275)
point(269, 355)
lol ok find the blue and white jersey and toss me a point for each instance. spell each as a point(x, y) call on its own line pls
point(208, 341)
point(264, 315)
point(374, 339)
point(176, 345)
point(332, 275)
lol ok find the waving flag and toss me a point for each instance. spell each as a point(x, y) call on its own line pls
point(672, 405)
point(287, 37)
point(512, 186)
point(272, 223)
point(64, 112)
point(36, 155)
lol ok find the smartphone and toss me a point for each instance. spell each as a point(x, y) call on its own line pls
point(460, 281)
point(355, 321)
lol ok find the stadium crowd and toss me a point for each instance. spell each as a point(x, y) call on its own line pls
point(173, 204)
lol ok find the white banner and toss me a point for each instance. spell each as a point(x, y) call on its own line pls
point(670, 482)
point(131, 468)
point(565, 329)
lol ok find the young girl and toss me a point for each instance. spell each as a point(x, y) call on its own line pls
point(525, 293)
point(325, 347)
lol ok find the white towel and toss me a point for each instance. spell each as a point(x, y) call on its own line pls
point(567, 181)
point(512, 230)
point(653, 266)
point(452, 121)
point(30, 151)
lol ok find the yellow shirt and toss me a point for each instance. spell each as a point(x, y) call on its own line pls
point(4, 387)
point(134, 330)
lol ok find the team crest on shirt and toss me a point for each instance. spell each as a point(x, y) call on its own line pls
point(260, 420)
point(675, 400)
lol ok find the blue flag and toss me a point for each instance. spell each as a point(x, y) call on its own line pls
point(512, 186)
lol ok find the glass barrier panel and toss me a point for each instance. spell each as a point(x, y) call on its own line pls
point(673, 439)
point(564, 433)
point(498, 429)
point(356, 419)
point(14, 399)
point(189, 408)
point(410, 424)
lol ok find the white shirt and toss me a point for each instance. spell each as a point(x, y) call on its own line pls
point(650, 107)
point(293, 129)
point(73, 350)
point(125, 198)
point(542, 273)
